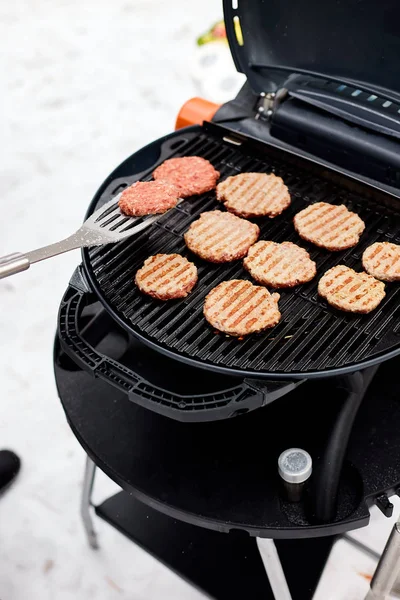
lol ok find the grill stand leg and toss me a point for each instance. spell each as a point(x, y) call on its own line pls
point(329, 469)
point(86, 503)
point(388, 568)
point(273, 567)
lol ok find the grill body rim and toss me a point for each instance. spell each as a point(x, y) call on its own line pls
point(147, 155)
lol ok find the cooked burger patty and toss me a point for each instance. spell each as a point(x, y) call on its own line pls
point(348, 290)
point(148, 198)
point(382, 260)
point(221, 237)
point(279, 265)
point(254, 194)
point(238, 307)
point(190, 174)
point(166, 276)
point(329, 226)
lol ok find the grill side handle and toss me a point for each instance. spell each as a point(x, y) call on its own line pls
point(237, 400)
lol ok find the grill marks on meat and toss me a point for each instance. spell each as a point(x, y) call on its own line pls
point(189, 174)
point(166, 276)
point(348, 290)
point(238, 308)
point(148, 198)
point(221, 237)
point(329, 226)
point(254, 195)
point(382, 260)
point(279, 265)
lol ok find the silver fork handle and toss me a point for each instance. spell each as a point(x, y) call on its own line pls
point(13, 263)
point(17, 262)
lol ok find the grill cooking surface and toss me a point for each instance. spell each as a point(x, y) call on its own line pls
point(311, 337)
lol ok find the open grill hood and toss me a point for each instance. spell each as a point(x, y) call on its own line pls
point(350, 41)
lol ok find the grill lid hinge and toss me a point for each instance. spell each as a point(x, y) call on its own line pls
point(269, 102)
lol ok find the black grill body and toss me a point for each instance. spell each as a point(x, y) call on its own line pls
point(312, 339)
point(329, 142)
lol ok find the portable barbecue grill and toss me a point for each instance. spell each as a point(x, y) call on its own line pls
point(321, 109)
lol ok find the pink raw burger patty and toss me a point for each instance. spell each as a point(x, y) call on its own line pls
point(148, 198)
point(190, 174)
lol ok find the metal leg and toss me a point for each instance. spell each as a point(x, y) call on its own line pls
point(273, 567)
point(86, 503)
point(388, 568)
point(328, 469)
point(362, 547)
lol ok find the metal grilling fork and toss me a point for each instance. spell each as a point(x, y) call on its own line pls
point(105, 226)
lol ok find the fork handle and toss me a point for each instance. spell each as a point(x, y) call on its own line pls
point(17, 262)
point(13, 263)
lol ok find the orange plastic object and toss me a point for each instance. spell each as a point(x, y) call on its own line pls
point(195, 111)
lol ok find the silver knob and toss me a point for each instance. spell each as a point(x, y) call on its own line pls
point(295, 465)
point(295, 468)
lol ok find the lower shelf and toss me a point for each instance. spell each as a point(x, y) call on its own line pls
point(224, 566)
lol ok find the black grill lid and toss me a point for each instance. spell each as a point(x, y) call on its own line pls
point(351, 41)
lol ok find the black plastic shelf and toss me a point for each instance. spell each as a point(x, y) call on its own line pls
point(224, 566)
point(222, 475)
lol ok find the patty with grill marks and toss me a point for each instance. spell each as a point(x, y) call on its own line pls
point(254, 195)
point(190, 174)
point(279, 265)
point(382, 260)
point(166, 276)
point(220, 236)
point(348, 290)
point(148, 198)
point(329, 226)
point(238, 308)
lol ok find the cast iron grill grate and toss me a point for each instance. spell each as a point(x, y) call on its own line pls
point(311, 336)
